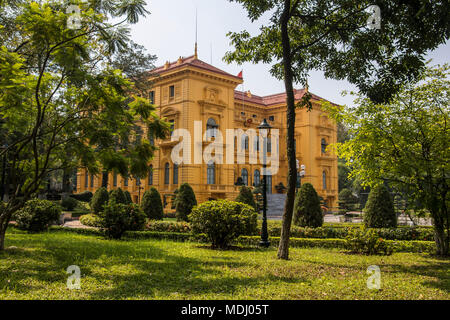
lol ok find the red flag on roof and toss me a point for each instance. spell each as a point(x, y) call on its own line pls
point(240, 75)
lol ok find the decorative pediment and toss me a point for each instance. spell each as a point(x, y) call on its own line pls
point(169, 112)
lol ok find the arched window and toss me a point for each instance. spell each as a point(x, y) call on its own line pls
point(92, 180)
point(323, 145)
point(166, 173)
point(269, 181)
point(244, 142)
point(125, 182)
point(150, 175)
point(256, 143)
point(86, 179)
point(211, 128)
point(211, 173)
point(257, 178)
point(244, 175)
point(115, 180)
point(324, 180)
point(175, 173)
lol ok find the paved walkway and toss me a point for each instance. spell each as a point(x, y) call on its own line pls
point(76, 224)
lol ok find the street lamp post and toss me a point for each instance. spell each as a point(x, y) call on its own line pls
point(264, 234)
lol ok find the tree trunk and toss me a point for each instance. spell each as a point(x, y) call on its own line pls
point(283, 248)
point(442, 241)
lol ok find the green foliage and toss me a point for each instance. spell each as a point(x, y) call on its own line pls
point(90, 220)
point(168, 226)
point(307, 210)
point(69, 203)
point(127, 197)
point(117, 218)
point(246, 196)
point(151, 204)
point(347, 201)
point(37, 215)
point(367, 241)
point(100, 198)
point(185, 201)
point(223, 221)
point(85, 196)
point(118, 196)
point(379, 211)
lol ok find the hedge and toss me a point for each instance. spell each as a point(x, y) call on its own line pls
point(90, 220)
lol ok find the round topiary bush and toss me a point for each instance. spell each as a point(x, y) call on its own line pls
point(185, 201)
point(347, 201)
point(99, 199)
point(69, 203)
point(37, 215)
point(223, 221)
point(151, 204)
point(90, 220)
point(379, 211)
point(307, 210)
point(118, 196)
point(116, 218)
point(246, 196)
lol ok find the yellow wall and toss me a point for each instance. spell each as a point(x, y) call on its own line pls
point(202, 94)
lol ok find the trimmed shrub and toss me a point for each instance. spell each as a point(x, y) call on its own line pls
point(223, 221)
point(37, 215)
point(347, 201)
point(127, 197)
point(99, 199)
point(246, 196)
point(367, 241)
point(118, 196)
point(117, 218)
point(168, 226)
point(185, 201)
point(379, 211)
point(90, 220)
point(85, 196)
point(69, 204)
point(151, 204)
point(307, 210)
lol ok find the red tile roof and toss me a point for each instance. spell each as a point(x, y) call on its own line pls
point(191, 61)
point(271, 99)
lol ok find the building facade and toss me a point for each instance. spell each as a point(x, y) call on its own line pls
point(190, 90)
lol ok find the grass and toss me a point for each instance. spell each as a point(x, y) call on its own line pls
point(155, 269)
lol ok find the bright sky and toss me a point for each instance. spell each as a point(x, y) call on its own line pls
point(169, 32)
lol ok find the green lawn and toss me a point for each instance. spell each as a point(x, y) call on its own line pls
point(154, 269)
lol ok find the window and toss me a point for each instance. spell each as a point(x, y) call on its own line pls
point(256, 143)
point(271, 118)
point(86, 179)
point(324, 180)
point(151, 97)
point(166, 174)
point(257, 178)
point(245, 142)
point(115, 180)
point(244, 175)
point(269, 182)
point(152, 141)
point(254, 116)
point(323, 145)
point(175, 173)
point(92, 180)
point(269, 145)
point(211, 128)
point(171, 92)
point(125, 182)
point(172, 125)
point(138, 182)
point(150, 176)
point(211, 173)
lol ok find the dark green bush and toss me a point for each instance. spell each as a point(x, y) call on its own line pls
point(85, 196)
point(223, 221)
point(347, 201)
point(151, 204)
point(99, 199)
point(127, 197)
point(307, 210)
point(69, 203)
point(185, 201)
point(379, 211)
point(246, 196)
point(37, 215)
point(116, 218)
point(90, 220)
point(118, 196)
point(367, 241)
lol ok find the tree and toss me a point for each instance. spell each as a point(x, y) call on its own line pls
point(118, 196)
point(63, 103)
point(152, 205)
point(100, 198)
point(406, 144)
point(379, 211)
point(307, 211)
point(334, 36)
point(246, 196)
point(185, 201)
point(347, 201)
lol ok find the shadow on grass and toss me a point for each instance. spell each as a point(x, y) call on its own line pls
point(40, 260)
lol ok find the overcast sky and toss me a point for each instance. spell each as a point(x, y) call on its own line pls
point(169, 32)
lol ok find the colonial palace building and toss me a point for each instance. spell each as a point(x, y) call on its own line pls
point(189, 90)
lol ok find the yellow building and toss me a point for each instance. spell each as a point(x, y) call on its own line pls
point(189, 90)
